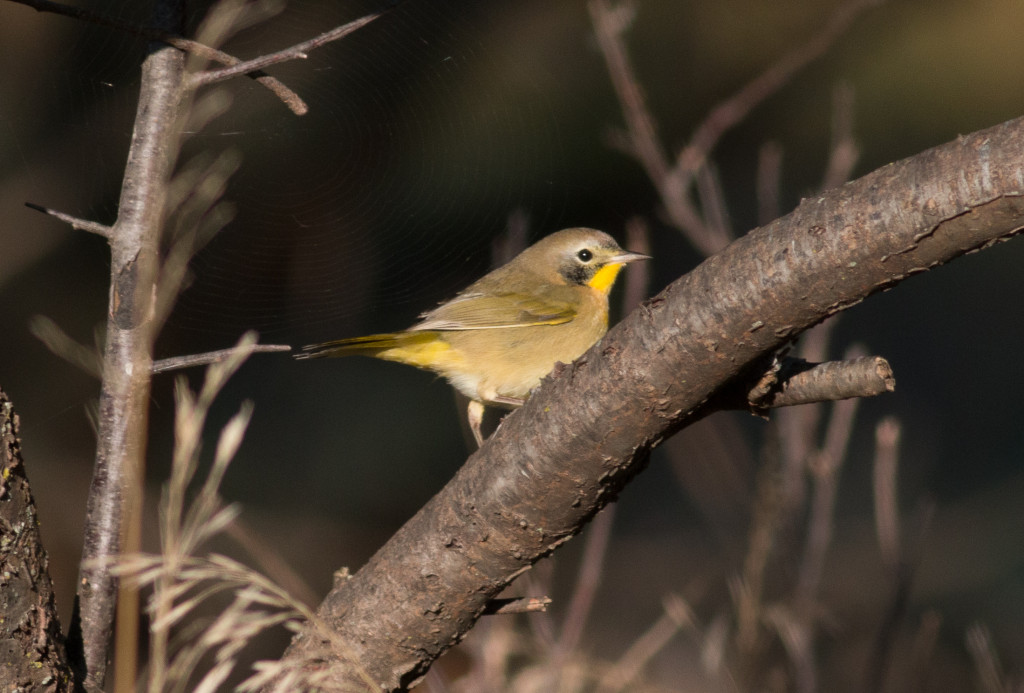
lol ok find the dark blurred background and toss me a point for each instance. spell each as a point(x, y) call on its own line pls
point(428, 130)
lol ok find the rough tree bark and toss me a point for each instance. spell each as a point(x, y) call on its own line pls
point(580, 438)
point(32, 656)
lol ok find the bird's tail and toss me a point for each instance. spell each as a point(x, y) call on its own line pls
point(370, 345)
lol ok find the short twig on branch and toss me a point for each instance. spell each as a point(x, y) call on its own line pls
point(517, 605)
point(794, 381)
point(297, 52)
point(174, 363)
point(76, 223)
point(800, 382)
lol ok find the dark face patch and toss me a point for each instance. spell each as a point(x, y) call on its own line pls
point(575, 273)
point(580, 267)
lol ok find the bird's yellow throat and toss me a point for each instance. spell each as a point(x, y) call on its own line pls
point(605, 277)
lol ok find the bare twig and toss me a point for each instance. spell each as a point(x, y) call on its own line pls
point(587, 581)
point(843, 152)
point(517, 605)
point(903, 572)
point(798, 427)
point(610, 22)
point(825, 466)
point(887, 518)
point(76, 223)
point(124, 398)
point(793, 381)
point(733, 110)
point(290, 98)
point(298, 51)
point(800, 382)
point(797, 637)
point(542, 626)
point(713, 204)
point(887, 527)
point(177, 362)
point(674, 180)
point(638, 279)
point(677, 616)
point(768, 509)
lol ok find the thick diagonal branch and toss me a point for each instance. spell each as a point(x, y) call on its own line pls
point(589, 429)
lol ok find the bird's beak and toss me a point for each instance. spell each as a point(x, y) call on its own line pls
point(627, 256)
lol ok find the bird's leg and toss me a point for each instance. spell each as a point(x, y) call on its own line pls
point(475, 414)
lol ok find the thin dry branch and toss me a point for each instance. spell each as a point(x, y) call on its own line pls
point(887, 516)
point(290, 98)
point(678, 615)
point(674, 179)
point(299, 51)
point(587, 582)
point(517, 605)
point(76, 223)
point(824, 468)
point(902, 574)
point(588, 429)
point(733, 110)
point(793, 381)
point(843, 153)
point(124, 397)
point(174, 363)
point(642, 141)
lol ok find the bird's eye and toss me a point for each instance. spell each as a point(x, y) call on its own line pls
point(585, 255)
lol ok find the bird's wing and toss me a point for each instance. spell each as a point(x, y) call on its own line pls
point(477, 311)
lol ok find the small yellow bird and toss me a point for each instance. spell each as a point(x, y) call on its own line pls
point(500, 335)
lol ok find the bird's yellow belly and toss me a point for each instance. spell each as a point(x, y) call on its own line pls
point(510, 362)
